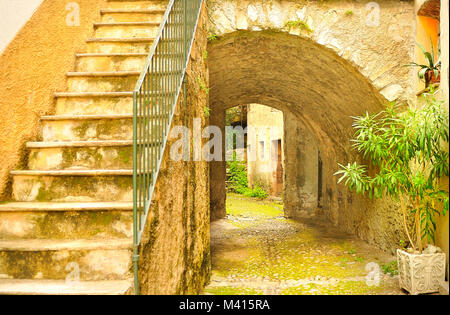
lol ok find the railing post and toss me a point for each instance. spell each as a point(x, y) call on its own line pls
point(135, 257)
point(185, 35)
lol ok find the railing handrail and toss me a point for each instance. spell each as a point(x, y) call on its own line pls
point(153, 47)
point(166, 76)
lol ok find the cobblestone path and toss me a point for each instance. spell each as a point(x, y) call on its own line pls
point(258, 251)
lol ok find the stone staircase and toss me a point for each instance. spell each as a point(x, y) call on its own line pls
point(72, 207)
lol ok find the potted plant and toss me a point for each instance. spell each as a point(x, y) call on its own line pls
point(408, 155)
point(430, 72)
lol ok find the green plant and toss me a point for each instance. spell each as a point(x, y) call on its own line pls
point(256, 192)
point(348, 13)
point(212, 37)
point(238, 182)
point(207, 111)
point(430, 71)
point(298, 24)
point(408, 153)
point(205, 54)
point(237, 175)
point(390, 268)
point(359, 259)
point(202, 85)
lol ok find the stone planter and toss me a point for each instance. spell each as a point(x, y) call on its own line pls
point(421, 273)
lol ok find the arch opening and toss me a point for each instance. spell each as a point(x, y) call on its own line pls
point(317, 91)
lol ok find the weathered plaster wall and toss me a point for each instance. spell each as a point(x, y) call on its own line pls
point(33, 67)
point(262, 171)
point(175, 257)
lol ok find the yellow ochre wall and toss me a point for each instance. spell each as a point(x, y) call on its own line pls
point(32, 68)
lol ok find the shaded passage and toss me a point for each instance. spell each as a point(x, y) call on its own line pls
point(255, 250)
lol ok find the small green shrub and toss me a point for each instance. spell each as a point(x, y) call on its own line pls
point(238, 182)
point(409, 152)
point(256, 192)
point(237, 176)
point(390, 268)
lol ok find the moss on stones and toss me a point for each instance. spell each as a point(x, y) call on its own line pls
point(228, 290)
point(286, 256)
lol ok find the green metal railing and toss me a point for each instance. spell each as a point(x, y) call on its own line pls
point(154, 101)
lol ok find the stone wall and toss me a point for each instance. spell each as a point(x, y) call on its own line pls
point(33, 67)
point(300, 169)
point(175, 257)
point(376, 45)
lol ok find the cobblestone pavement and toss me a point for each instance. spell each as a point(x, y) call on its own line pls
point(255, 250)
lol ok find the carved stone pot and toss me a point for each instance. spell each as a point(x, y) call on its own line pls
point(420, 273)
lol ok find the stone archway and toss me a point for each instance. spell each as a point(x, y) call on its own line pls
point(316, 89)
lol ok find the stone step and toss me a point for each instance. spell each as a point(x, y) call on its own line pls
point(100, 103)
point(85, 155)
point(91, 127)
point(94, 103)
point(119, 81)
point(73, 185)
point(87, 127)
point(119, 45)
point(61, 220)
point(110, 62)
point(125, 29)
point(60, 287)
point(107, 259)
point(131, 15)
point(108, 154)
point(118, 62)
point(127, 5)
